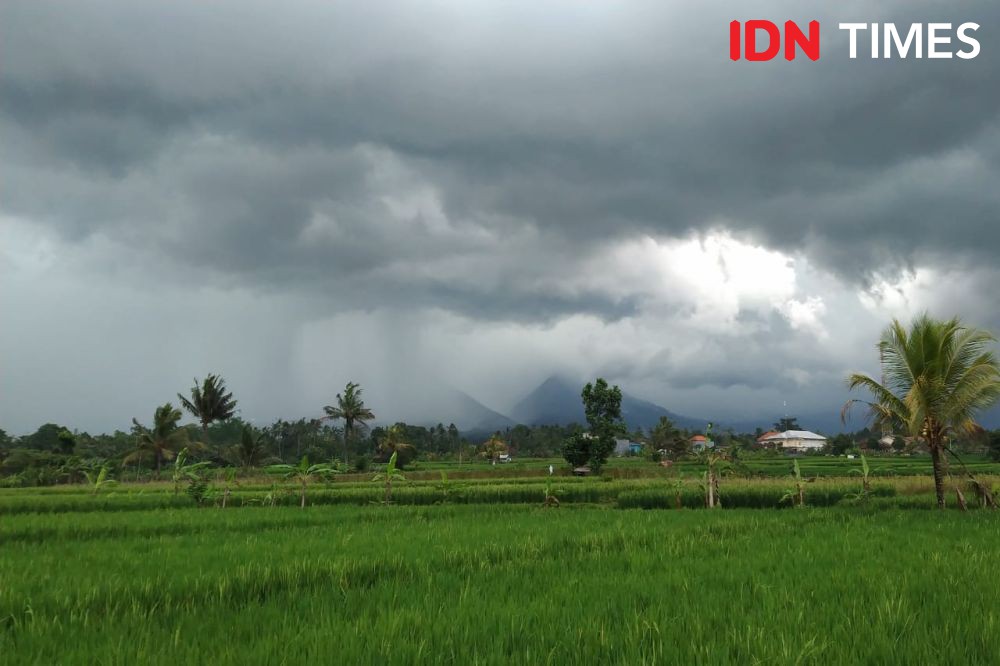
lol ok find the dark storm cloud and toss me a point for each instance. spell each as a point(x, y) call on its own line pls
point(591, 128)
point(485, 158)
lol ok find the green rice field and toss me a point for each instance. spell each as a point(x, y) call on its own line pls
point(143, 577)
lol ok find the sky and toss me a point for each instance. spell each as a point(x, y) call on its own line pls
point(474, 195)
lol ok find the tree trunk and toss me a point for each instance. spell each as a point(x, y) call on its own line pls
point(225, 496)
point(938, 463)
point(348, 429)
point(303, 504)
point(710, 489)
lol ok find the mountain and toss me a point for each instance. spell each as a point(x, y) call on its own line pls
point(556, 401)
point(470, 415)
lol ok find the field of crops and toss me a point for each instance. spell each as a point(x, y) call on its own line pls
point(498, 584)
point(627, 493)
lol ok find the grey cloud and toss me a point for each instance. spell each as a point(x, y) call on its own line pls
point(474, 157)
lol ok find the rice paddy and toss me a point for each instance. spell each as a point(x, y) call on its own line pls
point(479, 573)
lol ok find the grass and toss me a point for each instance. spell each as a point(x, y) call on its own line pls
point(647, 493)
point(487, 584)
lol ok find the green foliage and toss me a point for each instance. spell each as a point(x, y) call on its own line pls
point(395, 444)
point(602, 407)
point(162, 441)
point(665, 436)
point(99, 480)
point(215, 578)
point(796, 496)
point(993, 444)
point(576, 449)
point(362, 463)
point(388, 476)
point(46, 438)
point(352, 410)
point(303, 474)
point(938, 376)
point(787, 423)
point(864, 494)
point(199, 490)
point(209, 402)
point(185, 470)
point(252, 449)
point(67, 442)
point(493, 448)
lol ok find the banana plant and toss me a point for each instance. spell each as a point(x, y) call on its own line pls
point(449, 489)
point(186, 471)
point(99, 480)
point(389, 475)
point(302, 474)
point(550, 496)
point(797, 494)
point(230, 482)
point(866, 484)
point(678, 485)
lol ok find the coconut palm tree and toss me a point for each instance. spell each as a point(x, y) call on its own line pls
point(251, 450)
point(209, 402)
point(937, 376)
point(351, 408)
point(394, 442)
point(163, 440)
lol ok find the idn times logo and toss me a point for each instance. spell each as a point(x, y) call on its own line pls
point(760, 40)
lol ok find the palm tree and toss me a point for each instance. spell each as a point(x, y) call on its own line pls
point(302, 474)
point(251, 450)
point(937, 376)
point(209, 402)
point(493, 447)
point(163, 440)
point(351, 408)
point(394, 442)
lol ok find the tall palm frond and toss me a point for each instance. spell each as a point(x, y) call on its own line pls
point(163, 440)
point(351, 408)
point(209, 402)
point(937, 376)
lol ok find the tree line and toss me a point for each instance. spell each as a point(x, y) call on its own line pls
point(937, 376)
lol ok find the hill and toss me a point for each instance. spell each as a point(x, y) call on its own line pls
point(556, 401)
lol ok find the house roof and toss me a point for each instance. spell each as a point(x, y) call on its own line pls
point(767, 435)
point(699, 438)
point(794, 434)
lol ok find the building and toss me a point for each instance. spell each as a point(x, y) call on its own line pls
point(796, 441)
point(762, 440)
point(624, 447)
point(700, 443)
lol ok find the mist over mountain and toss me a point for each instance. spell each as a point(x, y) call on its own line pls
point(557, 401)
point(469, 415)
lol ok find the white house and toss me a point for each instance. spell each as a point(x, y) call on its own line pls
point(625, 447)
point(795, 440)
